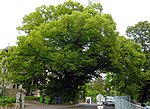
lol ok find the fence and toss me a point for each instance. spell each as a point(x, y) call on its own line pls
point(122, 104)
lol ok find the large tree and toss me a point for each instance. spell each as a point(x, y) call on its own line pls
point(63, 47)
point(140, 33)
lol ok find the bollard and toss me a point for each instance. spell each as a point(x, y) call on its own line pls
point(22, 100)
point(17, 105)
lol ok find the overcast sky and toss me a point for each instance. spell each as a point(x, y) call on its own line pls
point(124, 12)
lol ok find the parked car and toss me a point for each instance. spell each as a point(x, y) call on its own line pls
point(109, 101)
point(145, 106)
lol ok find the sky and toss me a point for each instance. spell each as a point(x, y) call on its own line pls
point(124, 12)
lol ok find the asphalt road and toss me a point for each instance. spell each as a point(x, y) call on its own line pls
point(107, 107)
point(78, 106)
point(91, 106)
point(94, 106)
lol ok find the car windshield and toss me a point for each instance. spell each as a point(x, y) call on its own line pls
point(109, 98)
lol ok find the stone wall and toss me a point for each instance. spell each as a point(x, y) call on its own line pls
point(11, 92)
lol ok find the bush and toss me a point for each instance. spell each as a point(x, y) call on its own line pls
point(6, 100)
point(32, 98)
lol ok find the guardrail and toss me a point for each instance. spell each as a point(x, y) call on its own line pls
point(122, 104)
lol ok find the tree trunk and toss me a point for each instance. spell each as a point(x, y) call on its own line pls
point(145, 93)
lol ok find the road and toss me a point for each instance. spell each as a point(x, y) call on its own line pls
point(93, 106)
point(78, 106)
point(107, 107)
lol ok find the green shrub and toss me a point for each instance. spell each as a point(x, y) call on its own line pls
point(32, 98)
point(6, 100)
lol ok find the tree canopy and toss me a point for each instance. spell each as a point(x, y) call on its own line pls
point(61, 48)
point(140, 33)
point(127, 63)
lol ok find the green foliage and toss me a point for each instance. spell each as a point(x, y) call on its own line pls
point(94, 88)
point(63, 47)
point(140, 33)
point(4, 73)
point(128, 61)
point(32, 98)
point(88, 92)
point(148, 103)
point(6, 100)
